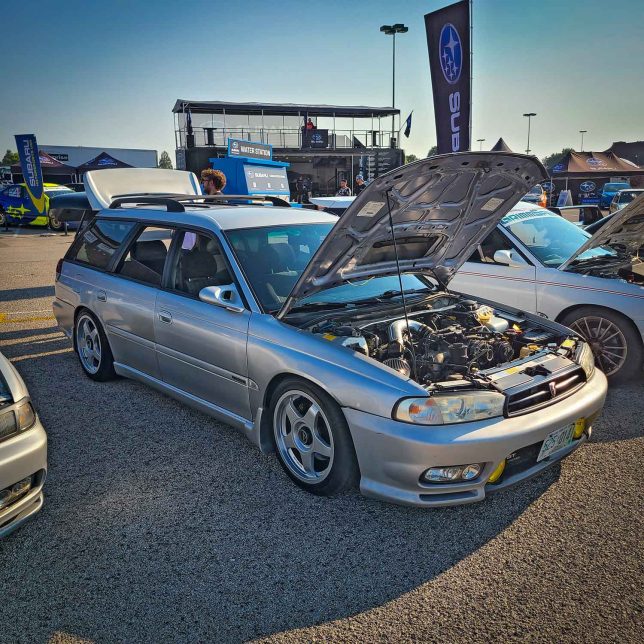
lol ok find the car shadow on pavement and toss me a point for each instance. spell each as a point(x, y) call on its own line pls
point(27, 293)
point(161, 524)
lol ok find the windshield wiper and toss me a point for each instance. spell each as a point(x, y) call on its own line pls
point(387, 295)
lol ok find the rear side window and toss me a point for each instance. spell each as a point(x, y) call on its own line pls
point(146, 256)
point(98, 243)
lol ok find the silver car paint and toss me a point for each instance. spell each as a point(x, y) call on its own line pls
point(21, 456)
point(365, 389)
point(555, 292)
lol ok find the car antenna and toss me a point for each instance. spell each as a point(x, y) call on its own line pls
point(402, 290)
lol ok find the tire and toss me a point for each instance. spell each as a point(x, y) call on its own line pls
point(612, 338)
point(312, 439)
point(3, 218)
point(92, 347)
point(54, 224)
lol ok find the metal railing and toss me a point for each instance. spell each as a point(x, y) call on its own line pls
point(285, 138)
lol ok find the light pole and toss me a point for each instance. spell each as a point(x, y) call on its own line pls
point(582, 132)
point(529, 115)
point(392, 30)
point(480, 142)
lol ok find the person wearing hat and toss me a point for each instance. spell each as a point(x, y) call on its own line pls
point(360, 184)
point(344, 191)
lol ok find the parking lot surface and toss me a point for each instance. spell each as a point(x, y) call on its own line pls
point(162, 525)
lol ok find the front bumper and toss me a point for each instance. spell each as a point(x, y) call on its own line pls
point(22, 456)
point(393, 455)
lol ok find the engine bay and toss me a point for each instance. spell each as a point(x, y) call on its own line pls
point(455, 340)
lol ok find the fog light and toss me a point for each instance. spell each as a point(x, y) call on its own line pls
point(5, 497)
point(580, 426)
point(452, 473)
point(21, 487)
point(11, 494)
point(496, 475)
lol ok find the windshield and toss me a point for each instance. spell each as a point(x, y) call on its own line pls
point(273, 257)
point(551, 238)
point(614, 187)
point(535, 191)
point(628, 196)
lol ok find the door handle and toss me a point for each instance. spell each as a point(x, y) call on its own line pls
point(165, 316)
point(101, 296)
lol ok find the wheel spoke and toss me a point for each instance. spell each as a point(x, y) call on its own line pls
point(320, 446)
point(590, 334)
point(292, 413)
point(311, 416)
point(307, 461)
point(289, 440)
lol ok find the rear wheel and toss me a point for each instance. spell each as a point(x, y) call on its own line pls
point(312, 439)
point(615, 343)
point(55, 224)
point(93, 348)
point(3, 218)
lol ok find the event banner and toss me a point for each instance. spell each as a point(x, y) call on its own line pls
point(448, 43)
point(31, 171)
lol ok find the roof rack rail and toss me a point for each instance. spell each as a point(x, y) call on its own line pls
point(174, 203)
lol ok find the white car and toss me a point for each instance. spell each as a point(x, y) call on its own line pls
point(537, 261)
point(624, 197)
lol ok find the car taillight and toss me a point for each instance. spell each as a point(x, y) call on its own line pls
point(59, 268)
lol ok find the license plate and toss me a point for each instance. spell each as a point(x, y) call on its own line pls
point(555, 441)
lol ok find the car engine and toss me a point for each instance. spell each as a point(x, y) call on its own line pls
point(445, 343)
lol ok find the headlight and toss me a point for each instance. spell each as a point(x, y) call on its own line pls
point(444, 409)
point(17, 420)
point(586, 360)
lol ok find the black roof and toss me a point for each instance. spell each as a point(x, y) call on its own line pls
point(280, 109)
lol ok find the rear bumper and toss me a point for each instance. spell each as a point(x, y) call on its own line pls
point(393, 455)
point(22, 456)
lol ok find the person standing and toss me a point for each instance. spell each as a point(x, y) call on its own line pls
point(213, 181)
point(360, 184)
point(310, 125)
point(344, 190)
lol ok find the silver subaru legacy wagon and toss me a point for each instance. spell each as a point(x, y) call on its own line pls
point(334, 342)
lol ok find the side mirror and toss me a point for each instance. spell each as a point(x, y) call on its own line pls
point(509, 258)
point(226, 297)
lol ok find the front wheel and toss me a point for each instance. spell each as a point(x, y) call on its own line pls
point(93, 349)
point(3, 218)
point(615, 343)
point(312, 439)
point(55, 224)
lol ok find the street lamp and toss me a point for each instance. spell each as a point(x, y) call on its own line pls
point(480, 141)
point(392, 30)
point(529, 115)
point(582, 132)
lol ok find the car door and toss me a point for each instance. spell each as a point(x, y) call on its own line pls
point(512, 283)
point(128, 298)
point(201, 347)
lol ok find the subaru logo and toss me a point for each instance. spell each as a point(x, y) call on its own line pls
point(548, 186)
point(587, 186)
point(451, 53)
point(558, 168)
point(594, 161)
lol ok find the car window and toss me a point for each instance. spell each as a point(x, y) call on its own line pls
point(198, 262)
point(146, 256)
point(628, 196)
point(98, 243)
point(13, 192)
point(484, 253)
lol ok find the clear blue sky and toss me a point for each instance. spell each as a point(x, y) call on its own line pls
point(83, 72)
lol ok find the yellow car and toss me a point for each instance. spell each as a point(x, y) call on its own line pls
point(16, 206)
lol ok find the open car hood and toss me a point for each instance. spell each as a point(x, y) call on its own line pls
point(624, 232)
point(441, 208)
point(103, 186)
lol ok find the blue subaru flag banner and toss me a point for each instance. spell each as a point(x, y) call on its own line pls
point(448, 42)
point(31, 171)
point(408, 125)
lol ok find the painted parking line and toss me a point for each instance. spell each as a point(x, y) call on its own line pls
point(40, 355)
point(6, 319)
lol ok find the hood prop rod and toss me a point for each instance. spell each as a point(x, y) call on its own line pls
point(402, 290)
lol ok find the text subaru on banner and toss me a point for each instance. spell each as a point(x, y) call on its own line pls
point(448, 43)
point(32, 173)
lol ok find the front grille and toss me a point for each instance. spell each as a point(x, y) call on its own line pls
point(543, 391)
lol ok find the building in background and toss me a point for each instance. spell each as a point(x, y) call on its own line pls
point(343, 142)
point(78, 155)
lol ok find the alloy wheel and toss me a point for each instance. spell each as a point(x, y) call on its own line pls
point(606, 341)
point(88, 342)
point(303, 436)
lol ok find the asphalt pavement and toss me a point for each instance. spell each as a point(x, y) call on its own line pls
point(162, 525)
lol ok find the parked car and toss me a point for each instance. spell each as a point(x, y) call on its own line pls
point(290, 324)
point(540, 262)
point(71, 208)
point(609, 190)
point(76, 187)
point(23, 452)
point(16, 206)
point(580, 215)
point(536, 195)
point(623, 198)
